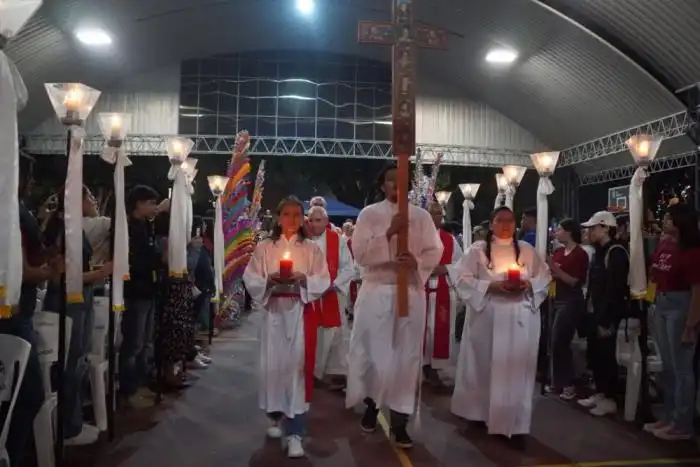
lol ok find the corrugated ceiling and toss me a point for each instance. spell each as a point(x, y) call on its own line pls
point(567, 86)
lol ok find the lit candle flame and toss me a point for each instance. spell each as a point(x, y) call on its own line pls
point(116, 122)
point(177, 147)
point(643, 148)
point(546, 162)
point(514, 267)
point(286, 255)
point(73, 99)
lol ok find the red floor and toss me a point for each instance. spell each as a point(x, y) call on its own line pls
point(216, 423)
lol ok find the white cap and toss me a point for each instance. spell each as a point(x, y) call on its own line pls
point(601, 218)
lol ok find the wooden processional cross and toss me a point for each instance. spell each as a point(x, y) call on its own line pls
point(404, 36)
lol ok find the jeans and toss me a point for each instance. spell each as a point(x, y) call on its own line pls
point(567, 316)
point(31, 393)
point(292, 426)
point(137, 331)
point(677, 379)
point(82, 317)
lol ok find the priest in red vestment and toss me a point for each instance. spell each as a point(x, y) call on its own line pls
point(333, 332)
point(441, 305)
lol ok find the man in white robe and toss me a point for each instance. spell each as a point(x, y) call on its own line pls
point(442, 305)
point(498, 355)
point(333, 331)
point(289, 330)
point(385, 356)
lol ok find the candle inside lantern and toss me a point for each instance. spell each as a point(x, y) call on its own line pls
point(116, 127)
point(513, 275)
point(73, 99)
point(286, 265)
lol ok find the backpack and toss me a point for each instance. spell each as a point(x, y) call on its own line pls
point(632, 308)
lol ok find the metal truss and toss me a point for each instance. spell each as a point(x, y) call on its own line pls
point(668, 127)
point(678, 161)
point(154, 145)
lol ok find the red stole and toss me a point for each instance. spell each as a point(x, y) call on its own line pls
point(353, 283)
point(441, 334)
point(328, 306)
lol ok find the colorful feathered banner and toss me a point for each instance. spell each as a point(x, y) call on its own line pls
point(256, 204)
point(238, 227)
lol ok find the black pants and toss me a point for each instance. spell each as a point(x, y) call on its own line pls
point(398, 420)
point(567, 316)
point(602, 362)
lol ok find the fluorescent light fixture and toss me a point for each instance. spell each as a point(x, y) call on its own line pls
point(501, 56)
point(305, 7)
point(94, 37)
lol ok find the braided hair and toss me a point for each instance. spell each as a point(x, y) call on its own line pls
point(489, 238)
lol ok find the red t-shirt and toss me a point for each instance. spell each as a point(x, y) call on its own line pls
point(672, 269)
point(574, 264)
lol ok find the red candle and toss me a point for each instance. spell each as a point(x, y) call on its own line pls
point(286, 265)
point(514, 274)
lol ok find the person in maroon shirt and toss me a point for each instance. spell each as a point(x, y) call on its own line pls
point(675, 268)
point(569, 266)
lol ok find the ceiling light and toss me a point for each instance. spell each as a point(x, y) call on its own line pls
point(501, 56)
point(305, 7)
point(95, 37)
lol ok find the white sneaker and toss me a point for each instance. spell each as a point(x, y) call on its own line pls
point(274, 432)
point(294, 447)
point(88, 435)
point(204, 358)
point(591, 401)
point(604, 407)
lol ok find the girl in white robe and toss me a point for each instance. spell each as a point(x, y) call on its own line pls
point(289, 330)
point(498, 356)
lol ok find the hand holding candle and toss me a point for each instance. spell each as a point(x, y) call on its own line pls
point(286, 265)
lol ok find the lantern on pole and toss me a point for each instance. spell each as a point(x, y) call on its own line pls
point(114, 128)
point(217, 185)
point(545, 163)
point(72, 103)
point(469, 191)
point(178, 149)
point(502, 186)
point(643, 149)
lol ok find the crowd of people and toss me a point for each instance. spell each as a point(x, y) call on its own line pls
point(503, 290)
point(333, 319)
point(155, 311)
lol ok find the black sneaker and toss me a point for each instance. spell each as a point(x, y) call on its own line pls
point(401, 438)
point(369, 420)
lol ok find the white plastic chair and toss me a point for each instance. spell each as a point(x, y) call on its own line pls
point(14, 353)
point(46, 326)
point(98, 359)
point(629, 355)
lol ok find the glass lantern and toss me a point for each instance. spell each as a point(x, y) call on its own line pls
point(217, 184)
point(545, 162)
point(443, 197)
point(178, 149)
point(114, 127)
point(514, 174)
point(14, 14)
point(469, 190)
point(644, 148)
point(72, 102)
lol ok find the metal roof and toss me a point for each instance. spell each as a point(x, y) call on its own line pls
point(567, 86)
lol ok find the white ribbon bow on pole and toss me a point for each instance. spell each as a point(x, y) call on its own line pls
point(190, 174)
point(73, 216)
point(544, 189)
point(120, 254)
point(467, 206)
point(178, 150)
point(13, 97)
point(638, 275)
